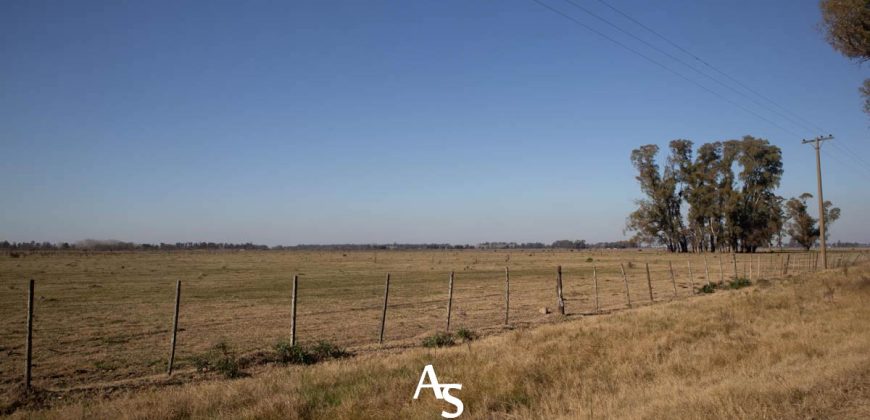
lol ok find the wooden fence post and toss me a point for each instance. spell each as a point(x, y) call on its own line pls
point(293, 311)
point(595, 283)
point(28, 343)
point(384, 312)
point(673, 279)
point(649, 283)
point(721, 271)
point(787, 260)
point(691, 277)
point(174, 327)
point(449, 301)
point(507, 294)
point(734, 262)
point(559, 299)
point(750, 267)
point(706, 270)
point(625, 279)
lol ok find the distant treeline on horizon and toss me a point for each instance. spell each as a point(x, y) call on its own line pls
point(113, 245)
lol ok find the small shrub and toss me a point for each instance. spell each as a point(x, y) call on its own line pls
point(300, 355)
point(589, 259)
point(220, 358)
point(440, 339)
point(708, 288)
point(295, 354)
point(465, 334)
point(739, 283)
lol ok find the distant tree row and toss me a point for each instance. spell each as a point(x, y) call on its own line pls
point(727, 189)
point(112, 245)
point(560, 244)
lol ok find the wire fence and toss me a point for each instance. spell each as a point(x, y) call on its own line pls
point(107, 338)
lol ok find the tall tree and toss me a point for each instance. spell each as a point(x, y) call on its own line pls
point(847, 29)
point(726, 210)
point(760, 215)
point(801, 226)
point(658, 218)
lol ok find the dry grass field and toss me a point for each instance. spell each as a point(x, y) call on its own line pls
point(103, 319)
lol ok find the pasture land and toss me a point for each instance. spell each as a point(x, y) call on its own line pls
point(106, 317)
point(788, 348)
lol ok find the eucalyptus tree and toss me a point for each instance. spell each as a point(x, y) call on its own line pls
point(657, 218)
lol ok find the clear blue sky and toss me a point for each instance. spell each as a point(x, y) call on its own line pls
point(380, 121)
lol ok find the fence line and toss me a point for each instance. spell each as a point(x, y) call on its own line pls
point(802, 263)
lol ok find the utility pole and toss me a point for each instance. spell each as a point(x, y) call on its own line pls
point(816, 142)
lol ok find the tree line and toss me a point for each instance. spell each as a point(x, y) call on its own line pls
point(720, 197)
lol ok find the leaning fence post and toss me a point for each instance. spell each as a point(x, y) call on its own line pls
point(293, 311)
point(560, 300)
point(174, 327)
point(649, 283)
point(625, 280)
point(691, 277)
point(449, 300)
point(595, 283)
point(384, 312)
point(507, 295)
point(673, 280)
point(28, 343)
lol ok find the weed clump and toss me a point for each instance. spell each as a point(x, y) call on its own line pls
point(220, 358)
point(739, 283)
point(466, 334)
point(439, 339)
point(292, 354)
point(308, 355)
point(708, 288)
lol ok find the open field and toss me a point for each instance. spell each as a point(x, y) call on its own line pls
point(791, 348)
point(102, 317)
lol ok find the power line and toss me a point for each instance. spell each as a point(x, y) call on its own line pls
point(650, 59)
point(804, 123)
point(855, 163)
point(681, 61)
point(848, 151)
point(704, 62)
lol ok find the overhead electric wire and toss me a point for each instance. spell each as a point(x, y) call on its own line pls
point(681, 61)
point(793, 117)
point(712, 67)
point(842, 162)
point(856, 161)
point(650, 59)
point(802, 121)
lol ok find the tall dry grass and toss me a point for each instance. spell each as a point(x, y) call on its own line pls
point(796, 348)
